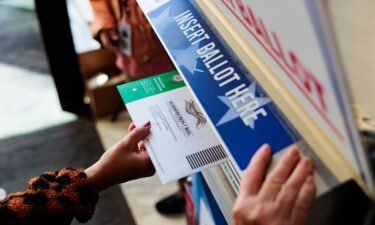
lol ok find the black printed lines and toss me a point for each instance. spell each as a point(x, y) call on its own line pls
point(206, 157)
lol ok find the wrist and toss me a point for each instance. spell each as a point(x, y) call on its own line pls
point(96, 178)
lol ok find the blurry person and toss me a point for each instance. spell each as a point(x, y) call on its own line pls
point(121, 27)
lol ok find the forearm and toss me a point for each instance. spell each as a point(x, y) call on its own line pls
point(52, 198)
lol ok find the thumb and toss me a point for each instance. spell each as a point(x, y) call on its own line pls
point(137, 134)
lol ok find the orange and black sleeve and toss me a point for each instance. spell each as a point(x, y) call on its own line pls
point(52, 198)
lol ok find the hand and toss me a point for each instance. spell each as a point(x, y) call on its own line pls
point(110, 39)
point(283, 197)
point(127, 160)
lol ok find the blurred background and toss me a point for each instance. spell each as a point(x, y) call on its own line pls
point(60, 108)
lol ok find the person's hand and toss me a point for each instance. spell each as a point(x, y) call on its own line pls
point(110, 39)
point(283, 197)
point(127, 160)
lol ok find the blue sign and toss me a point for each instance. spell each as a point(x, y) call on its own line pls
point(243, 114)
point(201, 192)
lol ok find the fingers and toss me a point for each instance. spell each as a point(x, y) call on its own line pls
point(253, 176)
point(142, 146)
point(293, 185)
point(279, 174)
point(114, 35)
point(136, 135)
point(131, 127)
point(106, 39)
point(304, 200)
point(283, 198)
point(145, 159)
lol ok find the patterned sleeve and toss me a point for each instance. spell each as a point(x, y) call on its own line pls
point(53, 198)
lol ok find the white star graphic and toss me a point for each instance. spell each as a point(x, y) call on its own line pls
point(182, 50)
point(162, 18)
point(232, 114)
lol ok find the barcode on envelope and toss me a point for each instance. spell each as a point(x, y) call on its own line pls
point(206, 157)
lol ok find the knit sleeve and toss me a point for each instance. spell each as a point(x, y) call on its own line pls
point(52, 198)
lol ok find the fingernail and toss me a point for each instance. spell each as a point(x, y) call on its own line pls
point(293, 153)
point(265, 147)
point(307, 162)
point(147, 124)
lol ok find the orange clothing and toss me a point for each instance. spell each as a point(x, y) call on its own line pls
point(148, 56)
point(52, 198)
point(107, 14)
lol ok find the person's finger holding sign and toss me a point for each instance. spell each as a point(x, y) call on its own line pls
point(281, 197)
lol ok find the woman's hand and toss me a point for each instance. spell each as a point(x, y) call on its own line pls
point(110, 39)
point(127, 160)
point(283, 197)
